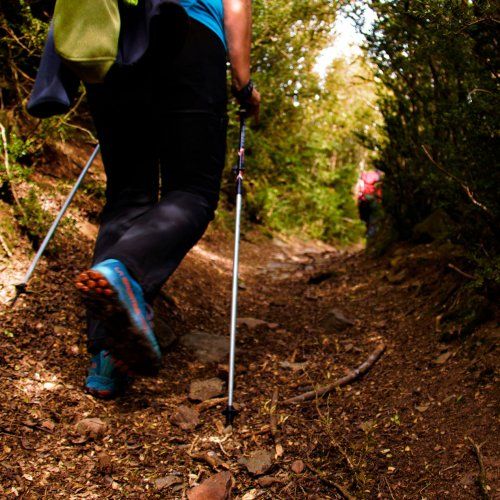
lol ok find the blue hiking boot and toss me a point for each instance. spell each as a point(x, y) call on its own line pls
point(106, 378)
point(117, 299)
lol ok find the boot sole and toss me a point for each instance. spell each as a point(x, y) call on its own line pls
point(126, 341)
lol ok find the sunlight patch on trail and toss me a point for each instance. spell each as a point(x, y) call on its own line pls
point(223, 262)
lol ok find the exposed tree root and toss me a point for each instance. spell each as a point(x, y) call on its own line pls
point(483, 486)
point(353, 375)
point(273, 424)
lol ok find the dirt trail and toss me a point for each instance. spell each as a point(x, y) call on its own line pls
point(401, 432)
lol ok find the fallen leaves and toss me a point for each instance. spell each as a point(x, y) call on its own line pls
point(142, 455)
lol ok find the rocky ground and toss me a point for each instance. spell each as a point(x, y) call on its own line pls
point(421, 423)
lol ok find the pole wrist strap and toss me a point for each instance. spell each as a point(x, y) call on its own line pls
point(243, 95)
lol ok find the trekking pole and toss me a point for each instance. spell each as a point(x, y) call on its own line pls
point(21, 287)
point(230, 411)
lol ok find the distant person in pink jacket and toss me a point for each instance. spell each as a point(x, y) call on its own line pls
point(369, 197)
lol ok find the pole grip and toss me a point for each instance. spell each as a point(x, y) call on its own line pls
point(241, 145)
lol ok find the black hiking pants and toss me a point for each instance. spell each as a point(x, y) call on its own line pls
point(162, 130)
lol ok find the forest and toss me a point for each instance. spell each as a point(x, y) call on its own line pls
point(393, 335)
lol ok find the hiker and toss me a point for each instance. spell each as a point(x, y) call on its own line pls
point(161, 124)
point(369, 197)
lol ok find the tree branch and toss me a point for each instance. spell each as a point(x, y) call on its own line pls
point(351, 377)
point(463, 185)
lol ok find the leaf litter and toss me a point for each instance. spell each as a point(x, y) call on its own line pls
point(60, 442)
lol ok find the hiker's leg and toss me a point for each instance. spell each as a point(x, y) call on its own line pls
point(191, 93)
point(373, 219)
point(153, 248)
point(120, 109)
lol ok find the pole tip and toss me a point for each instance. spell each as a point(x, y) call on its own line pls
point(20, 289)
point(230, 412)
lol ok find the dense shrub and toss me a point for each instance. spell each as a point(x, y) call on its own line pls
point(437, 63)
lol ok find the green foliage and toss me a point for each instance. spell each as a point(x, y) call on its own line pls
point(437, 64)
point(33, 219)
point(22, 41)
point(488, 273)
point(94, 189)
point(303, 158)
point(17, 150)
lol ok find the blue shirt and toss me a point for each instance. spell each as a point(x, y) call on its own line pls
point(208, 12)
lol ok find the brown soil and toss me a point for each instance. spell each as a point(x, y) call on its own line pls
point(402, 431)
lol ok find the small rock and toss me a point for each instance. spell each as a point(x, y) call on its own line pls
point(217, 487)
point(167, 481)
point(298, 466)
point(422, 408)
point(294, 366)
point(48, 425)
point(104, 463)
point(251, 495)
point(201, 390)
point(186, 418)
point(258, 463)
point(164, 332)
point(94, 428)
point(50, 386)
point(109, 481)
point(266, 481)
point(336, 320)
point(279, 450)
point(441, 360)
point(251, 323)
point(206, 347)
point(210, 457)
point(367, 426)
